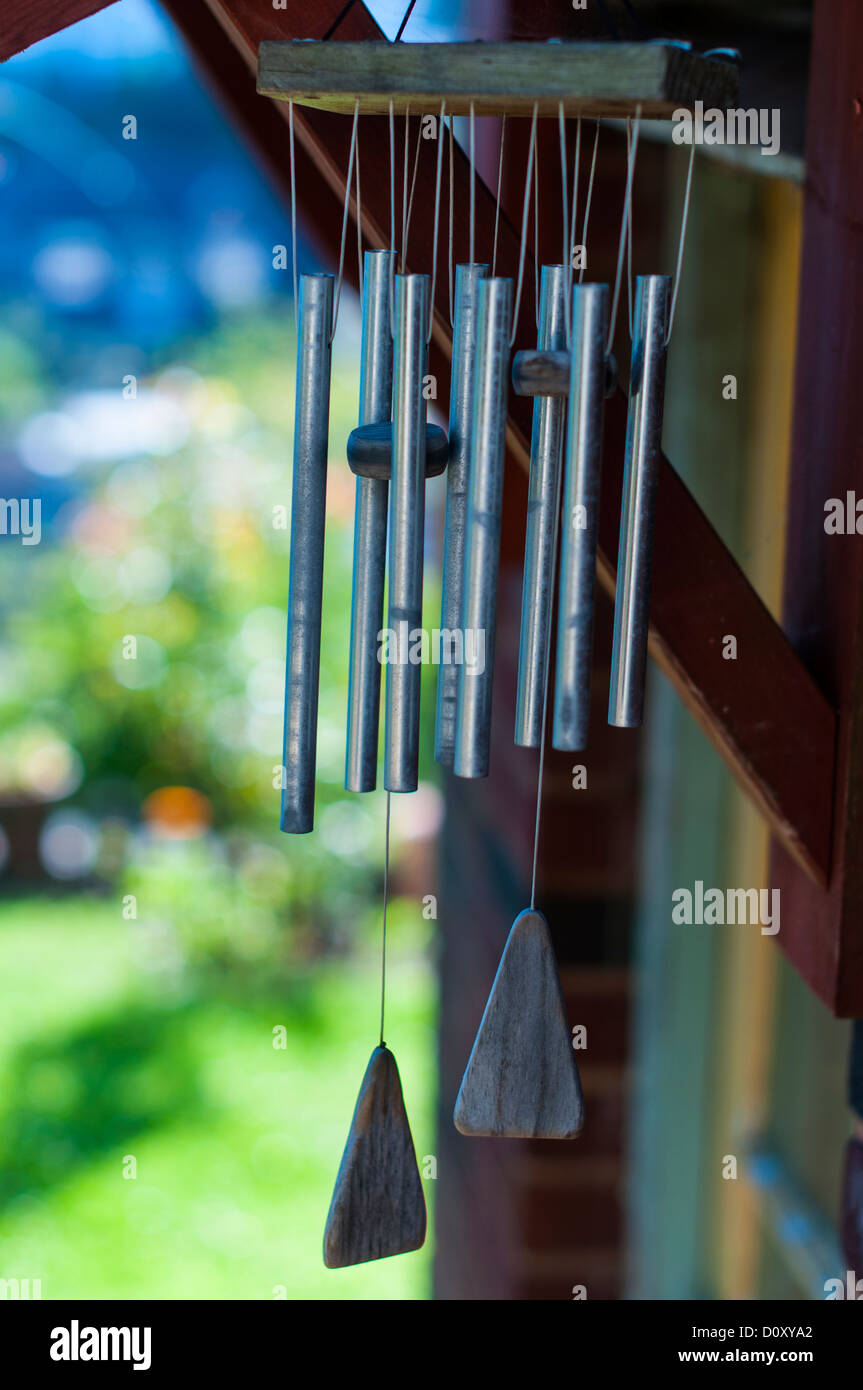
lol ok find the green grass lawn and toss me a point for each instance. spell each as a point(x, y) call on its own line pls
point(236, 1143)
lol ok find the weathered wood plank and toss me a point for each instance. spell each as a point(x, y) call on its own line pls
point(521, 1081)
point(378, 1208)
point(589, 79)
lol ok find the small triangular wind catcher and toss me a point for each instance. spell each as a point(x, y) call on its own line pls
point(521, 1080)
point(378, 1207)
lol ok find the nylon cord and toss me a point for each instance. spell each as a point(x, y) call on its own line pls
point(411, 198)
point(536, 276)
point(683, 225)
point(359, 224)
point(451, 195)
point(384, 920)
point(629, 239)
point(525, 210)
point(564, 198)
point(345, 219)
point(588, 201)
point(472, 184)
point(576, 174)
point(293, 216)
point(624, 225)
point(392, 219)
point(404, 193)
point(544, 703)
point(497, 199)
point(439, 166)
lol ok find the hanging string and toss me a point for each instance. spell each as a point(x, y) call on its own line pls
point(439, 167)
point(293, 216)
point(392, 219)
point(536, 277)
point(683, 225)
point(345, 219)
point(576, 174)
point(545, 684)
point(569, 213)
point(629, 240)
point(404, 192)
point(411, 198)
point(392, 182)
point(405, 229)
point(525, 210)
point(575, 178)
point(625, 223)
point(338, 19)
point(384, 920)
point(561, 127)
point(403, 25)
point(451, 184)
point(392, 248)
point(472, 184)
point(359, 224)
point(588, 200)
point(497, 199)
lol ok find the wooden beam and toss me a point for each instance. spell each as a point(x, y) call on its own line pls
point(495, 79)
point(25, 22)
point(768, 717)
point(822, 933)
point(763, 712)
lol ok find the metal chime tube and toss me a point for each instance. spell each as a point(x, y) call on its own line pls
point(467, 282)
point(546, 447)
point(482, 543)
point(370, 532)
point(308, 501)
point(641, 469)
point(580, 516)
point(406, 522)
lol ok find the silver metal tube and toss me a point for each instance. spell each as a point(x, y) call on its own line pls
point(370, 532)
point(580, 517)
point(546, 449)
point(467, 283)
point(406, 521)
point(308, 504)
point(640, 472)
point(482, 543)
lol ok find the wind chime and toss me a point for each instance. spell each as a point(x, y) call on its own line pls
point(521, 1079)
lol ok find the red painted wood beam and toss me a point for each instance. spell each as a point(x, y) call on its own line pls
point(765, 712)
point(24, 22)
point(822, 932)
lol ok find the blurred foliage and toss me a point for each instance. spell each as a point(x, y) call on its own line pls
point(235, 1140)
point(186, 552)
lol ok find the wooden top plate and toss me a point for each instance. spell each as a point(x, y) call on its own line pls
point(591, 79)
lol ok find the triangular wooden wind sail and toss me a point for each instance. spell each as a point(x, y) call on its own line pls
point(378, 1208)
point(521, 1080)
